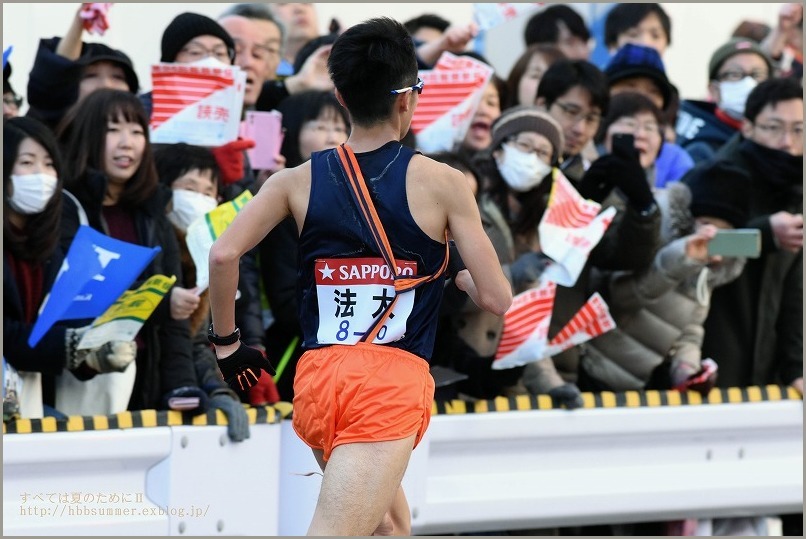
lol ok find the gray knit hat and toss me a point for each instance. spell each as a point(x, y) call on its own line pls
point(528, 118)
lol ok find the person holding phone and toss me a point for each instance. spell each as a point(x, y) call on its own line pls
point(754, 325)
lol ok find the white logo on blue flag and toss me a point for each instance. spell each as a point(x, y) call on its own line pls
point(96, 271)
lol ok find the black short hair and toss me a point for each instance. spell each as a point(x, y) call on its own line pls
point(174, 160)
point(563, 75)
point(625, 16)
point(626, 104)
point(543, 28)
point(426, 20)
point(300, 108)
point(771, 92)
point(367, 62)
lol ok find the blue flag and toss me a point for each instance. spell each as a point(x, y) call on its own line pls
point(6, 54)
point(96, 271)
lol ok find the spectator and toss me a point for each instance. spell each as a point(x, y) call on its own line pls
point(313, 121)
point(66, 70)
point(192, 174)
point(11, 101)
point(426, 27)
point(671, 291)
point(111, 173)
point(301, 24)
point(636, 68)
point(640, 24)
point(32, 258)
point(758, 334)
point(561, 26)
point(525, 75)
point(487, 111)
point(575, 93)
point(734, 70)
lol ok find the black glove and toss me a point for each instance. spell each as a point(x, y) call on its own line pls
point(242, 369)
point(567, 395)
point(527, 269)
point(237, 419)
point(630, 177)
point(181, 399)
point(597, 182)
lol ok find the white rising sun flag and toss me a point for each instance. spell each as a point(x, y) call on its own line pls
point(570, 228)
point(452, 93)
point(197, 103)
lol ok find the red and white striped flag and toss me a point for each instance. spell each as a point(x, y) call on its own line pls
point(452, 93)
point(488, 15)
point(592, 320)
point(570, 228)
point(196, 104)
point(526, 326)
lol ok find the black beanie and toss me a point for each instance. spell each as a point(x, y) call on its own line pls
point(720, 191)
point(185, 27)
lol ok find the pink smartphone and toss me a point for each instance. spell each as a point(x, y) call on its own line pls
point(266, 129)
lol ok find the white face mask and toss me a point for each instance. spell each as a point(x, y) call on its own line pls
point(521, 170)
point(733, 96)
point(208, 61)
point(189, 206)
point(32, 192)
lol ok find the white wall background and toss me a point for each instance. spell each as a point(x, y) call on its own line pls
point(136, 28)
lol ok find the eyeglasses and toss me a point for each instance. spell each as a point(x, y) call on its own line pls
point(778, 130)
point(261, 53)
point(735, 75)
point(417, 87)
point(12, 101)
point(633, 125)
point(525, 147)
point(197, 52)
point(574, 114)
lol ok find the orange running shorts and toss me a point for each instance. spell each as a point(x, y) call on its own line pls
point(361, 393)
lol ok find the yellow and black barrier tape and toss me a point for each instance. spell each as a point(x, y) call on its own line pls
point(143, 418)
point(627, 399)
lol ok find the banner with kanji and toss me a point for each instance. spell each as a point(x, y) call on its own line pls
point(452, 92)
point(197, 103)
point(570, 228)
point(203, 232)
point(124, 318)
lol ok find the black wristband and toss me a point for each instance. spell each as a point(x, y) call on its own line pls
point(218, 340)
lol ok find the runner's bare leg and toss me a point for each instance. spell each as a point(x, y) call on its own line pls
point(361, 484)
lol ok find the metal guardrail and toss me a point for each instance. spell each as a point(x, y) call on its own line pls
point(626, 458)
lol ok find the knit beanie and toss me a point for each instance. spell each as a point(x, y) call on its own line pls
point(528, 118)
point(719, 191)
point(633, 60)
point(185, 27)
point(735, 46)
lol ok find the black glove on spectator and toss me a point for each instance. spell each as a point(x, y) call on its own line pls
point(237, 419)
point(567, 395)
point(597, 182)
point(242, 369)
point(630, 177)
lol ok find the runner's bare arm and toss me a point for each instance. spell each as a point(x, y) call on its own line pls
point(489, 288)
point(270, 206)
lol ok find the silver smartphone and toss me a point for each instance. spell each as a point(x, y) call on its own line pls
point(736, 242)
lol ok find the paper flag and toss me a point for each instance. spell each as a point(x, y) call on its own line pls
point(198, 103)
point(570, 228)
point(94, 16)
point(488, 15)
point(203, 232)
point(592, 320)
point(526, 326)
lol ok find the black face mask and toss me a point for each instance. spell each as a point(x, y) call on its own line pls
point(777, 167)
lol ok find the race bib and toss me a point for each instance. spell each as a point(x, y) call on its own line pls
point(353, 293)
